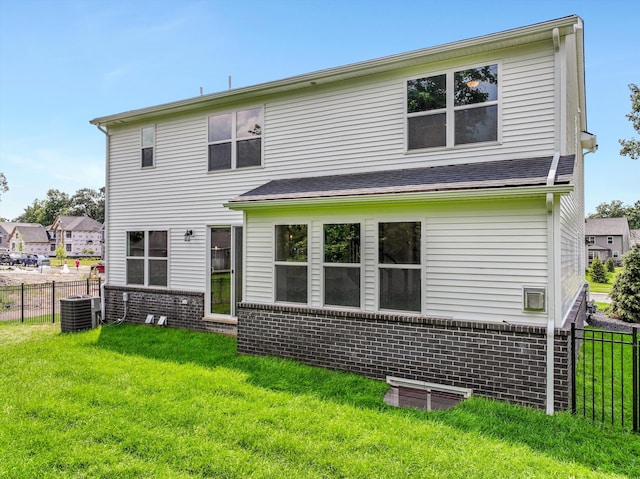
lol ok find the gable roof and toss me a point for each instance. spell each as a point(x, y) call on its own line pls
point(32, 234)
point(493, 174)
point(606, 227)
point(544, 31)
point(8, 226)
point(76, 223)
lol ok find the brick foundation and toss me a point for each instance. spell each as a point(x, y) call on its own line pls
point(500, 361)
point(183, 309)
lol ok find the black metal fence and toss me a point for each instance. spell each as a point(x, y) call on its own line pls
point(40, 302)
point(606, 376)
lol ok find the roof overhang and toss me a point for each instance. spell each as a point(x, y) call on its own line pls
point(373, 199)
point(506, 39)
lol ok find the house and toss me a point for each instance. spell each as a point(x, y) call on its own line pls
point(418, 216)
point(607, 238)
point(80, 235)
point(6, 228)
point(634, 238)
point(29, 238)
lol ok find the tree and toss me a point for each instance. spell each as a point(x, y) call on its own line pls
point(33, 213)
point(89, 202)
point(625, 294)
point(61, 252)
point(597, 271)
point(631, 148)
point(617, 209)
point(4, 186)
point(609, 265)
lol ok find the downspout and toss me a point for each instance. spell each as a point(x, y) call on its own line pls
point(551, 249)
point(106, 215)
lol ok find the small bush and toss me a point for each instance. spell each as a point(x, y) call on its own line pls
point(597, 271)
point(625, 294)
point(609, 265)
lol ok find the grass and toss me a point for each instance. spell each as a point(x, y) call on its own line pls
point(142, 402)
point(603, 287)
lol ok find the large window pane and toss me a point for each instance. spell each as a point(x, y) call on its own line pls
point(135, 271)
point(249, 153)
point(475, 125)
point(147, 157)
point(342, 286)
point(220, 156)
point(426, 94)
point(400, 289)
point(157, 272)
point(476, 85)
point(399, 243)
point(135, 243)
point(220, 127)
point(291, 283)
point(291, 243)
point(249, 123)
point(342, 243)
point(148, 136)
point(427, 131)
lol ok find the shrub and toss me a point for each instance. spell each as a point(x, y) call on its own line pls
point(625, 294)
point(597, 271)
point(609, 265)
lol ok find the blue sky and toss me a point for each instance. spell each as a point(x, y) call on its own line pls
point(65, 62)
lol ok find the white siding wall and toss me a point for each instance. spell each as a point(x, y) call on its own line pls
point(323, 130)
point(477, 256)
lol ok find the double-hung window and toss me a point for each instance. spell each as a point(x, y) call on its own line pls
point(147, 258)
point(342, 264)
point(453, 108)
point(400, 266)
point(291, 264)
point(235, 139)
point(147, 143)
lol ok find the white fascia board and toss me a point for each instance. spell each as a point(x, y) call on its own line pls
point(509, 38)
point(408, 198)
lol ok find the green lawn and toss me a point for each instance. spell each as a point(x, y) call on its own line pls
point(130, 401)
point(603, 287)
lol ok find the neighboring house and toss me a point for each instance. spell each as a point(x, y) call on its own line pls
point(607, 238)
point(634, 238)
point(419, 215)
point(31, 238)
point(80, 235)
point(6, 228)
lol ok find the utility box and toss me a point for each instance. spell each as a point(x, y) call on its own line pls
point(76, 314)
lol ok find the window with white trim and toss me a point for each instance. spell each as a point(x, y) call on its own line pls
point(591, 239)
point(616, 254)
point(147, 258)
point(235, 139)
point(593, 255)
point(400, 266)
point(453, 108)
point(342, 269)
point(291, 263)
point(609, 239)
point(147, 145)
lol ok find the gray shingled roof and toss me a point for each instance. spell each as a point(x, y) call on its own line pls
point(492, 174)
point(606, 226)
point(33, 234)
point(78, 223)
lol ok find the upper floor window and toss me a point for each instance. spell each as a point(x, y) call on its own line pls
point(453, 108)
point(67, 234)
point(147, 142)
point(591, 239)
point(147, 254)
point(235, 139)
point(609, 239)
point(291, 265)
point(342, 264)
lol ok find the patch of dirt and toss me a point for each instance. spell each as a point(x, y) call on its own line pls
point(12, 275)
point(600, 320)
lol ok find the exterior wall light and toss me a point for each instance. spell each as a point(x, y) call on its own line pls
point(188, 234)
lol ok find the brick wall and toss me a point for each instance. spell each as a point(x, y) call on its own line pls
point(183, 309)
point(500, 361)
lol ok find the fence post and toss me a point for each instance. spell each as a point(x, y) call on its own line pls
point(635, 373)
point(22, 302)
point(88, 293)
point(573, 368)
point(53, 301)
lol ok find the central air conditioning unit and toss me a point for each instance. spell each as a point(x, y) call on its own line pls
point(76, 314)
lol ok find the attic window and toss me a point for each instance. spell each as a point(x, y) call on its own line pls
point(453, 108)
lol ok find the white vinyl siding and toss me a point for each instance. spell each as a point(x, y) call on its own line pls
point(477, 255)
